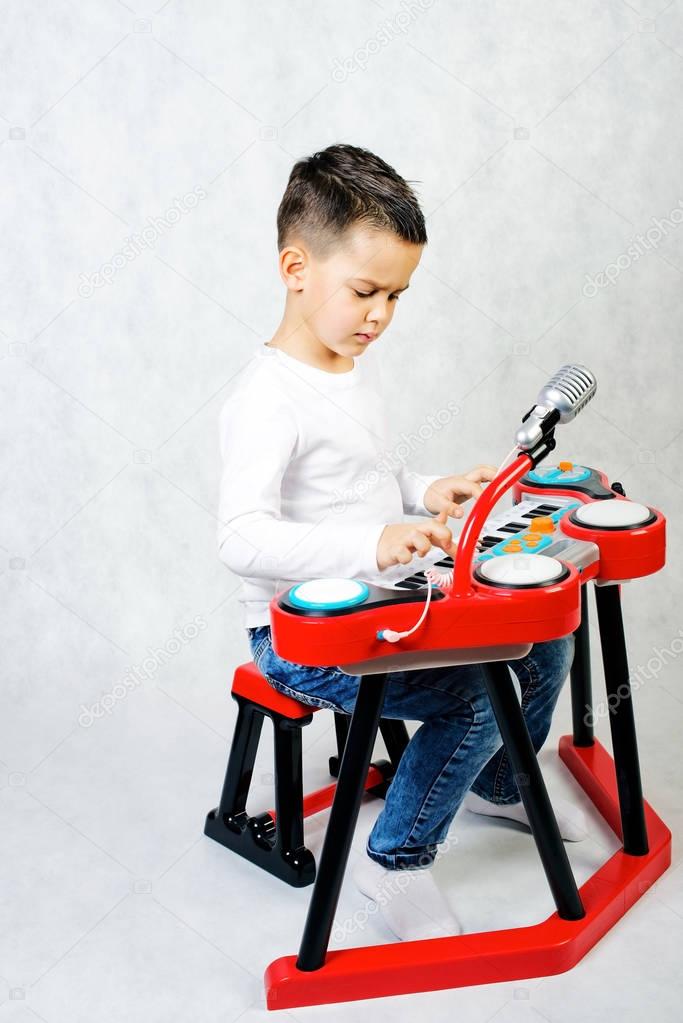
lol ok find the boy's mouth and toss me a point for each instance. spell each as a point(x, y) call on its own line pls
point(366, 337)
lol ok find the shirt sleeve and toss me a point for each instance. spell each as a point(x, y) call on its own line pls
point(257, 440)
point(413, 486)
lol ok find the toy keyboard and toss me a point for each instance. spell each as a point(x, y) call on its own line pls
point(532, 526)
point(516, 581)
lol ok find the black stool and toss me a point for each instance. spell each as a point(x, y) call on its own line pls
point(274, 840)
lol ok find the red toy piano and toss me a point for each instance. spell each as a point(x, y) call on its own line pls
point(520, 577)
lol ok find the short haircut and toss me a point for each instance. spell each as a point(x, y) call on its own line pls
point(342, 186)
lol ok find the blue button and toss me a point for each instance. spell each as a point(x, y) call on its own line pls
point(553, 476)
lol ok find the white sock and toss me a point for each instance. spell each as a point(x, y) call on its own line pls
point(408, 900)
point(571, 819)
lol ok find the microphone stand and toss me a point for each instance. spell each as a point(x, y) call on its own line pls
point(526, 460)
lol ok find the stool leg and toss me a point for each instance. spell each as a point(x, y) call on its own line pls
point(532, 789)
point(341, 729)
point(396, 738)
point(342, 822)
point(393, 731)
point(275, 846)
point(232, 806)
point(289, 786)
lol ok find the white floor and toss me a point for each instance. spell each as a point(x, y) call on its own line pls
point(116, 907)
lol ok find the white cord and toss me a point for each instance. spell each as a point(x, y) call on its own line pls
point(435, 578)
point(393, 637)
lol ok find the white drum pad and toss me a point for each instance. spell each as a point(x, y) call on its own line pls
point(521, 569)
point(329, 593)
point(623, 514)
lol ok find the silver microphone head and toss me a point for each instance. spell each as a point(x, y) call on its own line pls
point(566, 393)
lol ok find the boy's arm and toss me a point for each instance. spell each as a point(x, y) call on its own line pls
point(257, 440)
point(413, 486)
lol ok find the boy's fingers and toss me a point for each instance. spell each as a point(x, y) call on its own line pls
point(472, 488)
point(436, 530)
point(482, 472)
point(420, 544)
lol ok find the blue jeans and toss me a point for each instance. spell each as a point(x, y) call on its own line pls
point(457, 748)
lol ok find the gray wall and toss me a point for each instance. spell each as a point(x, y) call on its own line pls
point(546, 140)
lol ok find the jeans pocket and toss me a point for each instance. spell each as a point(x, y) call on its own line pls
point(278, 673)
point(306, 698)
point(258, 650)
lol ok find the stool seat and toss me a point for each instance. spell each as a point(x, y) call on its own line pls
point(250, 683)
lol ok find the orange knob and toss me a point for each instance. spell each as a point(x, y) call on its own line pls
point(565, 466)
point(542, 524)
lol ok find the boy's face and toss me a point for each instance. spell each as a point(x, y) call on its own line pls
point(355, 290)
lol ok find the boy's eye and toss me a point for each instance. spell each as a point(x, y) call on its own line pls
point(369, 294)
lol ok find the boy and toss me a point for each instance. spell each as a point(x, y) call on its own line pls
point(305, 425)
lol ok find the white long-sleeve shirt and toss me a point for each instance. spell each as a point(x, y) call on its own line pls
point(308, 481)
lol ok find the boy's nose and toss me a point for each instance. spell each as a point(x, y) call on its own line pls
point(379, 313)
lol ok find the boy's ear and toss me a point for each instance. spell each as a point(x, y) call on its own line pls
point(293, 267)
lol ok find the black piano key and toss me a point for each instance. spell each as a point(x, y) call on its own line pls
point(513, 527)
point(405, 585)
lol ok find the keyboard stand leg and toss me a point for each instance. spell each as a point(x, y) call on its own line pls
point(353, 772)
point(621, 720)
point(580, 680)
point(532, 789)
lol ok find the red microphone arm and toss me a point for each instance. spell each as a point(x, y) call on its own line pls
point(506, 478)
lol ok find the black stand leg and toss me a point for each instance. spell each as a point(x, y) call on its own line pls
point(621, 720)
point(353, 772)
point(532, 789)
point(580, 680)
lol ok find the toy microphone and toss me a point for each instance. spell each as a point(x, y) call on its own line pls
point(565, 394)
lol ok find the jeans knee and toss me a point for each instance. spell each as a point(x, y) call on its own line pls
point(486, 729)
point(550, 662)
point(563, 656)
point(570, 648)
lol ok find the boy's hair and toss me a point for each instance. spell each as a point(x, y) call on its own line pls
point(341, 186)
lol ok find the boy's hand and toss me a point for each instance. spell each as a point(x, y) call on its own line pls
point(448, 493)
point(398, 542)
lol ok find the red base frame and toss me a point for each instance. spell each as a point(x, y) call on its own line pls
point(552, 946)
